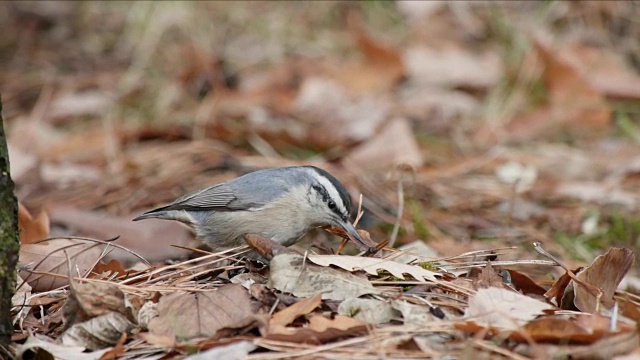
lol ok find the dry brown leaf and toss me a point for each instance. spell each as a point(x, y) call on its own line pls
point(452, 67)
point(98, 332)
point(113, 267)
point(381, 67)
point(289, 274)
point(49, 256)
point(606, 70)
point(629, 309)
point(92, 299)
point(372, 265)
point(487, 278)
point(394, 145)
point(556, 292)
point(333, 117)
point(605, 273)
point(525, 284)
point(581, 330)
point(575, 105)
point(319, 330)
point(201, 314)
point(302, 307)
point(503, 309)
point(117, 350)
point(552, 329)
point(607, 348)
point(32, 229)
point(158, 340)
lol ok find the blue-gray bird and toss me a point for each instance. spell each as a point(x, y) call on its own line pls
point(281, 204)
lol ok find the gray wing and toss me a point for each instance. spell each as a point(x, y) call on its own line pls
point(249, 191)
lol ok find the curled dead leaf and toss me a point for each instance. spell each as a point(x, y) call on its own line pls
point(605, 273)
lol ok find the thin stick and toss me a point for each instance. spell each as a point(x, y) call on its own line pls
point(396, 226)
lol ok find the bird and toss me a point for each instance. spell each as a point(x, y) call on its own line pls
point(282, 204)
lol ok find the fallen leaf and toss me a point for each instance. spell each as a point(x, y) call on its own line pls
point(98, 332)
point(159, 340)
point(556, 329)
point(302, 307)
point(92, 299)
point(44, 348)
point(372, 265)
point(556, 292)
point(332, 116)
point(487, 278)
point(51, 257)
point(289, 274)
point(201, 314)
point(146, 312)
point(503, 309)
point(605, 273)
point(574, 104)
point(368, 310)
point(23, 292)
point(525, 284)
point(319, 330)
point(32, 229)
point(394, 145)
point(452, 67)
point(606, 348)
point(111, 268)
point(598, 192)
point(412, 314)
point(380, 69)
point(606, 70)
point(235, 351)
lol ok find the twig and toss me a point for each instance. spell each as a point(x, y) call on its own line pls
point(396, 225)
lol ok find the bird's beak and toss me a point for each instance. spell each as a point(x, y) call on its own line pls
point(353, 233)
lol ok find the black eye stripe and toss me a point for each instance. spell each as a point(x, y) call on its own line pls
point(322, 192)
point(325, 197)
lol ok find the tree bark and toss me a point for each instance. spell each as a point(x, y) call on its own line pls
point(9, 239)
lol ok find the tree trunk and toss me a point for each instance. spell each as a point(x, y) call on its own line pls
point(9, 240)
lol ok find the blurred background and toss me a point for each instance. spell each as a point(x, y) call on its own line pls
point(465, 125)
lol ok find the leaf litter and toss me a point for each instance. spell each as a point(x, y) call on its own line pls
point(510, 136)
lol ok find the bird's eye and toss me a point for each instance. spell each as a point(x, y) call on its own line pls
point(331, 204)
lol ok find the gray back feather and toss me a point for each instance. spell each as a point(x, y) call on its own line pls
point(252, 190)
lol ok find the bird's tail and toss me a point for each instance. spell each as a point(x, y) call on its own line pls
point(151, 214)
point(163, 212)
